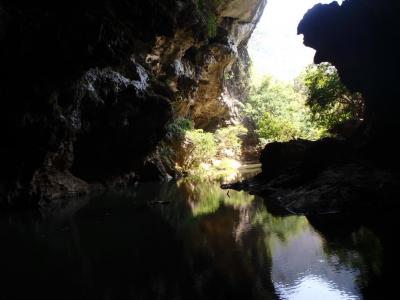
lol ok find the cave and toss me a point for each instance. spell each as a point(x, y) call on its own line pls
point(87, 92)
point(101, 83)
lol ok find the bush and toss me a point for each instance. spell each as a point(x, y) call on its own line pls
point(279, 110)
point(277, 129)
point(178, 128)
point(199, 147)
point(201, 155)
point(170, 148)
point(228, 141)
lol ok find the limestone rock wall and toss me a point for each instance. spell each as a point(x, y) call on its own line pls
point(87, 87)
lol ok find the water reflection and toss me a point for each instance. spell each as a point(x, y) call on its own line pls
point(303, 270)
point(180, 241)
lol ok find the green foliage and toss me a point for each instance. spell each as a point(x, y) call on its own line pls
point(280, 112)
point(309, 108)
point(169, 148)
point(228, 141)
point(212, 25)
point(207, 11)
point(224, 163)
point(229, 75)
point(211, 156)
point(224, 170)
point(179, 127)
point(330, 102)
point(217, 159)
point(200, 148)
point(201, 155)
point(277, 128)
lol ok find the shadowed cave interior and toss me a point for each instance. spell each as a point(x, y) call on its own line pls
point(87, 92)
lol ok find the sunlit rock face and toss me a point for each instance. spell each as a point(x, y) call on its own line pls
point(87, 87)
point(209, 78)
point(360, 39)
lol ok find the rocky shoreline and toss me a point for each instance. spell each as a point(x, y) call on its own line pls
point(328, 176)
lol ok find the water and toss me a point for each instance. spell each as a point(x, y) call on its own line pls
point(182, 241)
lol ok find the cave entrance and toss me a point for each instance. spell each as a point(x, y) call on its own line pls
point(290, 97)
point(286, 98)
point(274, 47)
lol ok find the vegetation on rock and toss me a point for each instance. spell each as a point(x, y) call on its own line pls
point(207, 10)
point(203, 155)
point(309, 108)
point(330, 102)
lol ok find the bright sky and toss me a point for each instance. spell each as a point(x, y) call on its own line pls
point(275, 47)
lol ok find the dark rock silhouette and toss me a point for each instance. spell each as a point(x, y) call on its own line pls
point(87, 87)
point(359, 39)
point(358, 172)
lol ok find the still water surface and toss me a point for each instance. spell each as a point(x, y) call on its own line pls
point(179, 241)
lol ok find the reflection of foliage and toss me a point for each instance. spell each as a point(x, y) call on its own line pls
point(330, 102)
point(361, 251)
point(208, 197)
point(211, 249)
point(278, 228)
point(239, 228)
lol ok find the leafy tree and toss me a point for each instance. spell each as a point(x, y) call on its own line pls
point(330, 102)
point(279, 111)
point(228, 141)
point(277, 128)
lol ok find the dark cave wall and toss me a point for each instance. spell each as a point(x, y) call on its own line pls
point(73, 96)
point(360, 38)
point(87, 87)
